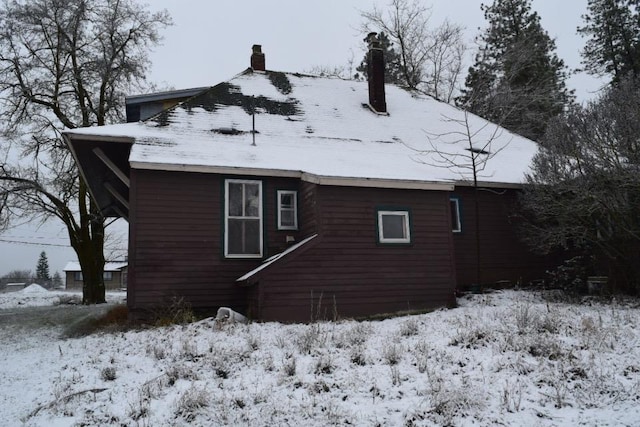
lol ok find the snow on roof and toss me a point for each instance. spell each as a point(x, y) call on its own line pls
point(108, 266)
point(321, 127)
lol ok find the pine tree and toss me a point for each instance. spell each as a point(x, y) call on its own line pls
point(613, 45)
point(392, 72)
point(42, 269)
point(56, 280)
point(517, 80)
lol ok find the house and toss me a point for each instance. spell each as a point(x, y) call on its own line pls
point(114, 276)
point(13, 287)
point(288, 197)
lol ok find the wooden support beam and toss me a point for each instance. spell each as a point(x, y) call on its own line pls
point(115, 169)
point(111, 189)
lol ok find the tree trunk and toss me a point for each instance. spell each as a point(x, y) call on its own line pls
point(89, 247)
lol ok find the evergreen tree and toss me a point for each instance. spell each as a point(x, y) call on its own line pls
point(42, 269)
point(613, 45)
point(517, 80)
point(56, 281)
point(392, 71)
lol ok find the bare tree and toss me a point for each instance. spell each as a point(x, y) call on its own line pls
point(65, 64)
point(430, 59)
point(466, 151)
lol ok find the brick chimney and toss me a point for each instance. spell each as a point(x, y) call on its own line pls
point(257, 58)
point(375, 74)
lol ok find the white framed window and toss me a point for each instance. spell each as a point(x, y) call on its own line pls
point(243, 219)
point(287, 210)
point(456, 224)
point(393, 227)
point(107, 276)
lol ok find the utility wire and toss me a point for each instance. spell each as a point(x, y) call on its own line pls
point(33, 243)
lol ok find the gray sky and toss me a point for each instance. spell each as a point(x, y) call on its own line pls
point(211, 42)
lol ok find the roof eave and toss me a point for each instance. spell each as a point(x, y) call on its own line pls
point(489, 184)
point(304, 176)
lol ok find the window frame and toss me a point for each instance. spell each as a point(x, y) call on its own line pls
point(406, 214)
point(456, 228)
point(77, 276)
point(294, 195)
point(260, 218)
point(107, 276)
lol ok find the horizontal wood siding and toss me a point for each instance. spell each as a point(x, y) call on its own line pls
point(176, 240)
point(349, 270)
point(308, 209)
point(503, 257)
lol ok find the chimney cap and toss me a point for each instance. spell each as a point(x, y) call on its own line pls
point(372, 40)
point(257, 58)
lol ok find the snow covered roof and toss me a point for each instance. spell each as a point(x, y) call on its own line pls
point(108, 266)
point(321, 130)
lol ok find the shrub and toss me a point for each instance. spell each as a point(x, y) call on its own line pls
point(108, 373)
point(289, 365)
point(177, 311)
point(392, 354)
point(324, 364)
point(191, 401)
point(410, 327)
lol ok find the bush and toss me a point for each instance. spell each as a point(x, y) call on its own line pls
point(177, 311)
point(570, 276)
point(108, 373)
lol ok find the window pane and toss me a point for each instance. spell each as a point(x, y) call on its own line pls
point(244, 236)
point(252, 236)
point(235, 199)
point(287, 218)
point(107, 276)
point(393, 226)
point(252, 199)
point(455, 217)
point(286, 201)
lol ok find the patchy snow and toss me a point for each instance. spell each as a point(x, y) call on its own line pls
point(325, 131)
point(505, 358)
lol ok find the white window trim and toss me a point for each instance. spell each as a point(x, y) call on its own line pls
point(456, 228)
point(295, 210)
point(226, 217)
point(407, 227)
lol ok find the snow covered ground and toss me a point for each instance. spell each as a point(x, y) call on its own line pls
point(504, 358)
point(35, 295)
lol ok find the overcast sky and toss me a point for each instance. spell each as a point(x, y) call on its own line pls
point(211, 42)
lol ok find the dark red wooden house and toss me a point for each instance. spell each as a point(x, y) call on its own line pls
point(287, 196)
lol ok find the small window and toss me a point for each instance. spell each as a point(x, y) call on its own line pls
point(107, 276)
point(393, 227)
point(287, 210)
point(77, 276)
point(456, 225)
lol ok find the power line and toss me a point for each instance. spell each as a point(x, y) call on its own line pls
point(33, 243)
